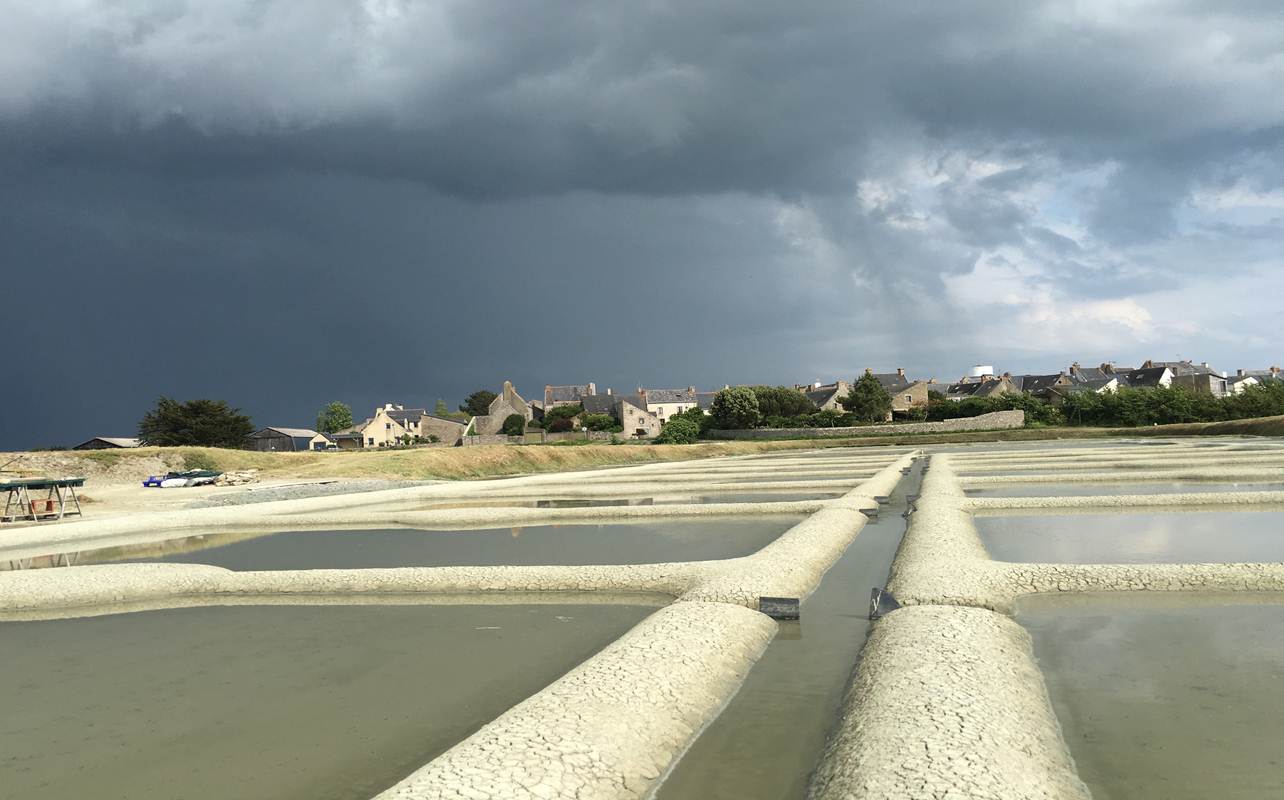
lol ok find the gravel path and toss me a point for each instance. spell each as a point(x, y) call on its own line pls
point(268, 494)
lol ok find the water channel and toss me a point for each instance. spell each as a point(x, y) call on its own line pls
point(765, 744)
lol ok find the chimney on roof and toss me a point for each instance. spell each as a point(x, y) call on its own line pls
point(900, 371)
point(1107, 368)
point(1239, 373)
point(1204, 364)
point(691, 389)
point(1074, 368)
point(1275, 371)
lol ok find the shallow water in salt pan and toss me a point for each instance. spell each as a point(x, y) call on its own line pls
point(1178, 537)
point(1090, 489)
point(291, 703)
point(1166, 696)
point(640, 543)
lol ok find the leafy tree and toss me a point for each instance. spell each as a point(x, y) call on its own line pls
point(735, 408)
point(933, 395)
point(868, 401)
point(679, 430)
point(559, 424)
point(598, 422)
point(556, 413)
point(781, 401)
point(1037, 412)
point(334, 417)
point(702, 420)
point(203, 423)
point(917, 412)
point(514, 425)
point(441, 409)
point(478, 403)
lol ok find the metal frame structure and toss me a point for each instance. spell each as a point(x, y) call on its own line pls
point(60, 495)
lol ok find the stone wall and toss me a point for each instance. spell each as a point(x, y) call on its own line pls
point(995, 420)
point(490, 438)
point(569, 436)
point(447, 430)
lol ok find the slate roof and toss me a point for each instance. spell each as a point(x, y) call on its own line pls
point(298, 433)
point(893, 382)
point(822, 396)
point(1035, 384)
point(565, 394)
point(670, 396)
point(402, 415)
point(1085, 374)
point(1184, 368)
point(1148, 376)
point(705, 400)
point(968, 389)
point(1084, 387)
point(1248, 373)
point(599, 403)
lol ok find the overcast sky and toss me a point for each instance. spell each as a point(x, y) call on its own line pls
point(281, 203)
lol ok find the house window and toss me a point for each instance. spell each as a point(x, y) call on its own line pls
point(909, 398)
point(370, 441)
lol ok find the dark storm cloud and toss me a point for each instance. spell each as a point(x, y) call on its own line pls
point(284, 203)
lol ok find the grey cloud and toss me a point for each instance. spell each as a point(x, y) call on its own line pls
point(396, 199)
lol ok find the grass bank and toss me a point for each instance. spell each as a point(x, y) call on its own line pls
point(1261, 426)
point(461, 463)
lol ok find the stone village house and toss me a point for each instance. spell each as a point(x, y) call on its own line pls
point(391, 423)
point(905, 393)
point(627, 410)
point(505, 404)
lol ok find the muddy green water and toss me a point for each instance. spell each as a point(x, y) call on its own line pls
point(1172, 697)
point(765, 744)
point(313, 703)
point(1088, 490)
point(641, 543)
point(1180, 537)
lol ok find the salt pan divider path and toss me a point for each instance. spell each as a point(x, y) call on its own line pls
point(947, 701)
point(609, 727)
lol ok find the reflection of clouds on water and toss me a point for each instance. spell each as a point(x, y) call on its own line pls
point(1170, 537)
point(1105, 489)
point(1176, 696)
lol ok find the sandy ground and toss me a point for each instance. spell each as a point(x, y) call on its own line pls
point(101, 499)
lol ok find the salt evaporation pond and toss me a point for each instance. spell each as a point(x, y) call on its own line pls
point(1192, 537)
point(639, 543)
point(1091, 489)
point(1166, 696)
point(313, 703)
point(664, 499)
